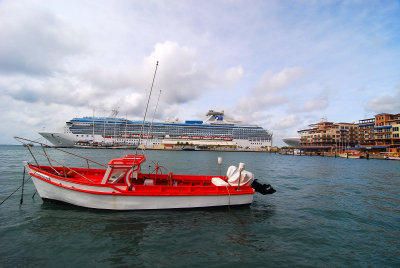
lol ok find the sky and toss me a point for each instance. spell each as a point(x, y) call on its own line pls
point(280, 64)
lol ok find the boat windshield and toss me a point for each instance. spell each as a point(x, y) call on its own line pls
point(117, 175)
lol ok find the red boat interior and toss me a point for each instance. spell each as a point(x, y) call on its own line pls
point(194, 182)
point(124, 175)
point(161, 184)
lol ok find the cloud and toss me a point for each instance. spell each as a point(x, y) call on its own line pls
point(269, 90)
point(385, 104)
point(182, 76)
point(34, 41)
point(288, 121)
point(271, 82)
point(61, 59)
point(317, 103)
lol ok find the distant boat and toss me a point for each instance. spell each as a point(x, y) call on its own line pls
point(298, 152)
point(351, 154)
point(188, 149)
point(392, 156)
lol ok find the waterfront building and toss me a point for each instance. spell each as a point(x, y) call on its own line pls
point(378, 134)
point(386, 131)
point(366, 132)
point(328, 136)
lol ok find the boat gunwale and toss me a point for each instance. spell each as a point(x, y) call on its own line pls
point(153, 190)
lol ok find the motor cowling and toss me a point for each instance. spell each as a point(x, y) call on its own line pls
point(237, 175)
point(262, 188)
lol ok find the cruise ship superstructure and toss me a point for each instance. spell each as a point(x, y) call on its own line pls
point(217, 129)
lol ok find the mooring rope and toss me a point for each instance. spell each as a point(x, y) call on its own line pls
point(22, 193)
point(17, 189)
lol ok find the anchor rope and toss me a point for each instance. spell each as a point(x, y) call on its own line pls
point(17, 189)
point(22, 193)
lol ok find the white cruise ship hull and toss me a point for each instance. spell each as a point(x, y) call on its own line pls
point(217, 130)
point(60, 139)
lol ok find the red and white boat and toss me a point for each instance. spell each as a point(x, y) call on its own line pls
point(122, 186)
point(392, 156)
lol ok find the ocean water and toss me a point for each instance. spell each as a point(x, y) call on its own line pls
point(327, 212)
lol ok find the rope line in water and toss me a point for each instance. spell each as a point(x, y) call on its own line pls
point(22, 193)
point(16, 190)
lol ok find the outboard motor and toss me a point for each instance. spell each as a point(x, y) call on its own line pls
point(262, 188)
point(237, 176)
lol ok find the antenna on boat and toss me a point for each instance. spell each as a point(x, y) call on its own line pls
point(152, 120)
point(93, 127)
point(145, 112)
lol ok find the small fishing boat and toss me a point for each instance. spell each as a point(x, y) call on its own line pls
point(122, 186)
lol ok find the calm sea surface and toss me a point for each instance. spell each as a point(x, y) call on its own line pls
point(327, 212)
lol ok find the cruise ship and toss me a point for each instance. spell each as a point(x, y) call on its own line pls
point(217, 129)
point(292, 141)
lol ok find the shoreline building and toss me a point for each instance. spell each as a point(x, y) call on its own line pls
point(378, 134)
point(328, 136)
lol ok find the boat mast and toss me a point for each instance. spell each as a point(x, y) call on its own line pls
point(126, 125)
point(152, 120)
point(104, 130)
point(145, 111)
point(93, 128)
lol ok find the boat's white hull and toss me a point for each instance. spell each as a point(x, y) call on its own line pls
point(117, 201)
point(71, 140)
point(345, 155)
point(392, 157)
